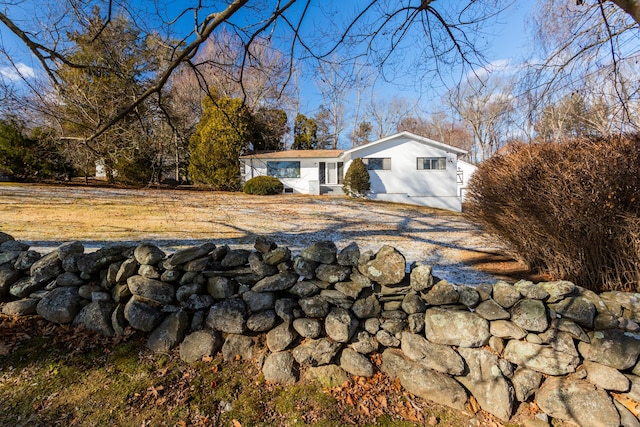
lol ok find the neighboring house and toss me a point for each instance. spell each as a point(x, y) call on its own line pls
point(404, 168)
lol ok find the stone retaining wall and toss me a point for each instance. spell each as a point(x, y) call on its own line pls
point(324, 312)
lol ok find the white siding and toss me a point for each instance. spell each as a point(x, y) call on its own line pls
point(308, 172)
point(404, 182)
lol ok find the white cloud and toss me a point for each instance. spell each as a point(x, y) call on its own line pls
point(497, 66)
point(18, 72)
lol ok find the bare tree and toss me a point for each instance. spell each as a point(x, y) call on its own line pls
point(387, 114)
point(484, 103)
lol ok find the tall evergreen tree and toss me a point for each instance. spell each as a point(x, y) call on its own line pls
point(224, 131)
point(305, 133)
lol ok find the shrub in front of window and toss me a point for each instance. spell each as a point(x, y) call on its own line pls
point(263, 186)
point(356, 180)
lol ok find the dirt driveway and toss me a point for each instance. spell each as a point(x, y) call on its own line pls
point(46, 216)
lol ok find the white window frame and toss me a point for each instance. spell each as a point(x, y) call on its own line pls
point(431, 163)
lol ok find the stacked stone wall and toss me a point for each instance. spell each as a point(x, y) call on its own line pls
point(324, 312)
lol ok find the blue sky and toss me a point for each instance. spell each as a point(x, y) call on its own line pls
point(506, 41)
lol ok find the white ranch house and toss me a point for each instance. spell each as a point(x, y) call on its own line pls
point(404, 168)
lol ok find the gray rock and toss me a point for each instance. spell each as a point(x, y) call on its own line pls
point(350, 289)
point(4, 237)
point(469, 297)
point(530, 290)
point(425, 383)
point(560, 341)
point(372, 325)
point(337, 298)
point(128, 268)
point(118, 320)
point(458, 328)
point(316, 352)
point(305, 268)
point(200, 344)
point(387, 339)
point(285, 309)
point(235, 258)
point(280, 368)
point(304, 288)
point(221, 287)
point(277, 282)
point(8, 276)
point(540, 358)
point(169, 333)
point(577, 401)
point(571, 328)
point(634, 390)
point(69, 279)
point(613, 348)
point(416, 323)
point(91, 263)
point(485, 381)
point(228, 316)
point(260, 268)
point(355, 363)
point(277, 256)
point(526, 382)
point(506, 329)
point(421, 278)
point(327, 375)
point(387, 268)
point(61, 305)
point(364, 343)
point(154, 290)
point(27, 258)
point(184, 292)
point(578, 309)
point(185, 255)
point(412, 304)
point(393, 326)
point(264, 245)
point(491, 310)
point(147, 254)
point(442, 293)
point(262, 322)
point(604, 321)
point(120, 293)
point(333, 273)
point(237, 347)
point(281, 337)
point(21, 307)
point(627, 418)
point(149, 271)
point(316, 306)
point(46, 268)
point(437, 357)
point(366, 307)
point(505, 294)
point(360, 279)
point(558, 290)
point(530, 315)
point(323, 252)
point(350, 255)
point(87, 291)
point(96, 316)
point(69, 249)
point(259, 301)
point(171, 276)
point(141, 316)
point(13, 246)
point(606, 377)
point(308, 328)
point(340, 325)
point(198, 302)
point(25, 287)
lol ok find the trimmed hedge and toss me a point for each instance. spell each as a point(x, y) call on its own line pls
point(263, 186)
point(571, 209)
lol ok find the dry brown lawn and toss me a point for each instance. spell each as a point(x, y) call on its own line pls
point(46, 216)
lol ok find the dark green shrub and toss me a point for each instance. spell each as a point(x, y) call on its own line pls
point(263, 186)
point(568, 209)
point(356, 180)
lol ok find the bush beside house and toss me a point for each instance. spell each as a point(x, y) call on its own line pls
point(263, 186)
point(356, 180)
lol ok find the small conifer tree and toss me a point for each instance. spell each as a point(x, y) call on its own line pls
point(356, 180)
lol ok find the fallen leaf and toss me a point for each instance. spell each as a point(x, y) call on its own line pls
point(236, 423)
point(207, 359)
